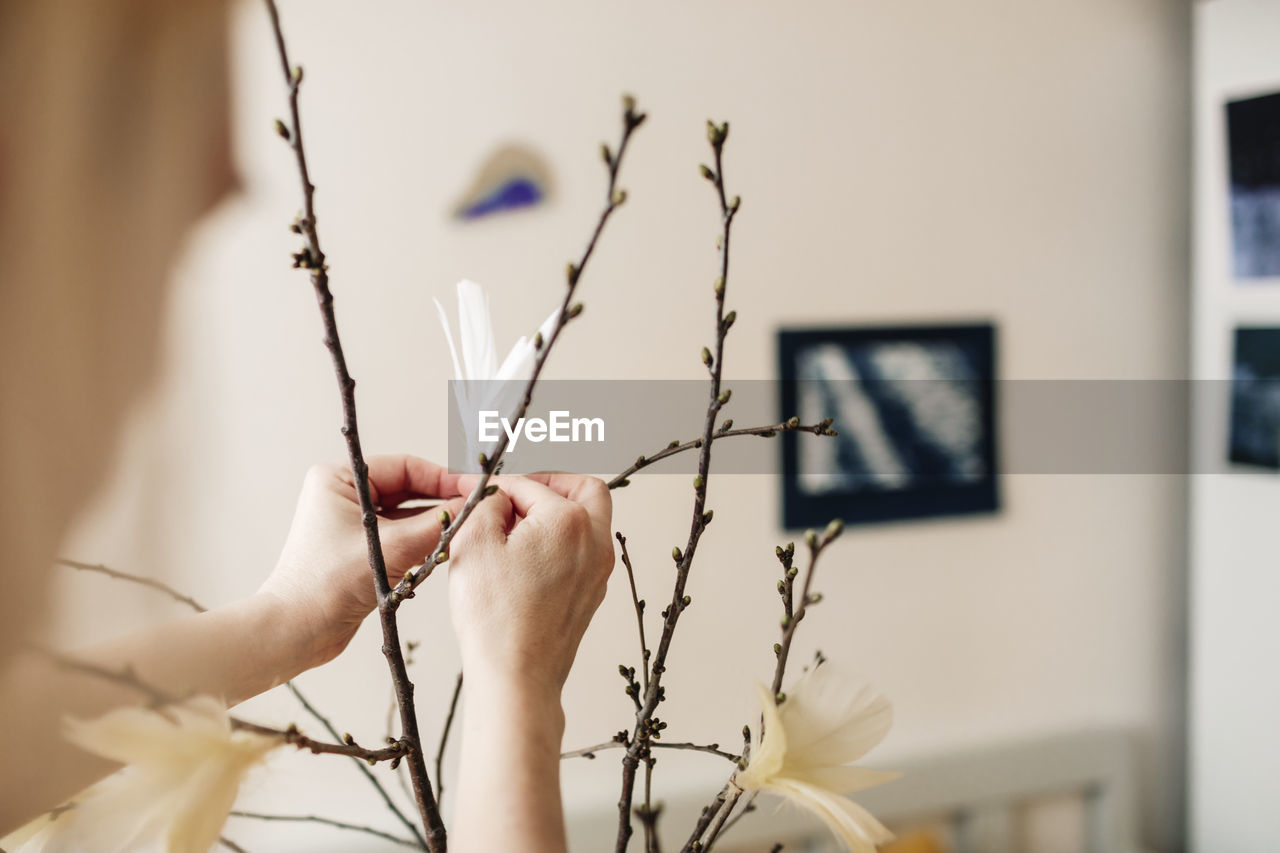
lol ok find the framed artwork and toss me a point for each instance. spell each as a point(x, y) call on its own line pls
point(1253, 151)
point(914, 407)
point(1255, 398)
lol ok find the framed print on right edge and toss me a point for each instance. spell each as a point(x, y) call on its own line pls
point(914, 407)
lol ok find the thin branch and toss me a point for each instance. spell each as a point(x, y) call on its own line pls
point(638, 603)
point(710, 749)
point(444, 738)
point(136, 579)
point(646, 724)
point(790, 622)
point(817, 543)
point(614, 198)
point(362, 766)
point(360, 762)
point(231, 845)
point(676, 447)
point(126, 677)
point(312, 258)
point(368, 830)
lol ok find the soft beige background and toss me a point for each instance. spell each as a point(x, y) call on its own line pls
point(898, 161)
point(1235, 700)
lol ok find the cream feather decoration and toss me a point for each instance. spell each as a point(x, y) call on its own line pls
point(183, 767)
point(808, 742)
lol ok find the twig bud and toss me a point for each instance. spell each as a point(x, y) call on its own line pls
point(786, 622)
point(676, 553)
point(735, 203)
point(606, 155)
point(782, 587)
point(777, 648)
point(826, 422)
point(698, 482)
point(815, 597)
point(793, 422)
point(724, 396)
point(571, 273)
point(537, 341)
point(348, 739)
point(297, 74)
point(713, 133)
point(445, 520)
point(687, 600)
point(811, 538)
point(622, 484)
point(575, 309)
point(730, 319)
point(483, 460)
point(619, 197)
point(707, 516)
point(834, 529)
point(719, 285)
point(792, 572)
point(628, 104)
point(490, 489)
point(408, 576)
point(777, 550)
point(706, 356)
point(781, 697)
point(706, 172)
point(443, 556)
point(282, 131)
point(674, 444)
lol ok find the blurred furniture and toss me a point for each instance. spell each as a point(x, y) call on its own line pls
point(977, 798)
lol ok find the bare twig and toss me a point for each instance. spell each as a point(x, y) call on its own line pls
point(638, 603)
point(676, 447)
point(115, 574)
point(312, 258)
point(444, 738)
point(489, 464)
point(368, 830)
point(647, 726)
point(231, 845)
point(710, 749)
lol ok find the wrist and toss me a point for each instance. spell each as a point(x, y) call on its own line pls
point(291, 627)
point(501, 695)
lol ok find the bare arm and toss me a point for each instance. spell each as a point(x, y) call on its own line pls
point(530, 571)
point(303, 616)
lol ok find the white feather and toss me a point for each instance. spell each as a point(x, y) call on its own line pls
point(806, 744)
point(183, 768)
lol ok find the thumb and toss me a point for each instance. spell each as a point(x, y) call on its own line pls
point(417, 532)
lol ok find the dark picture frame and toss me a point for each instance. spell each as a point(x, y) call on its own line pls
point(914, 406)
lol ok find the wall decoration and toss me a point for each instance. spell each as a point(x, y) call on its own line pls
point(1255, 398)
point(914, 407)
point(1253, 146)
point(513, 177)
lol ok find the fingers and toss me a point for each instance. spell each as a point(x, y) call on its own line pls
point(591, 492)
point(490, 520)
point(529, 497)
point(396, 478)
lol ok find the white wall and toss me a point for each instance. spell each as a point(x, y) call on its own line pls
point(1235, 697)
point(899, 161)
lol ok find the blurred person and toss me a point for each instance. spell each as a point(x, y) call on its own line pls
point(114, 139)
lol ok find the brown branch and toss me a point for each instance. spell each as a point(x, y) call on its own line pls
point(791, 621)
point(675, 447)
point(368, 830)
point(312, 258)
point(115, 574)
point(646, 725)
point(444, 738)
point(231, 845)
point(816, 543)
point(638, 603)
point(489, 464)
point(710, 749)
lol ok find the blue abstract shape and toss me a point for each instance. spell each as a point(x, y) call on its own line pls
point(516, 192)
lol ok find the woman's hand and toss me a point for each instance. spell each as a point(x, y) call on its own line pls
point(322, 582)
point(527, 572)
